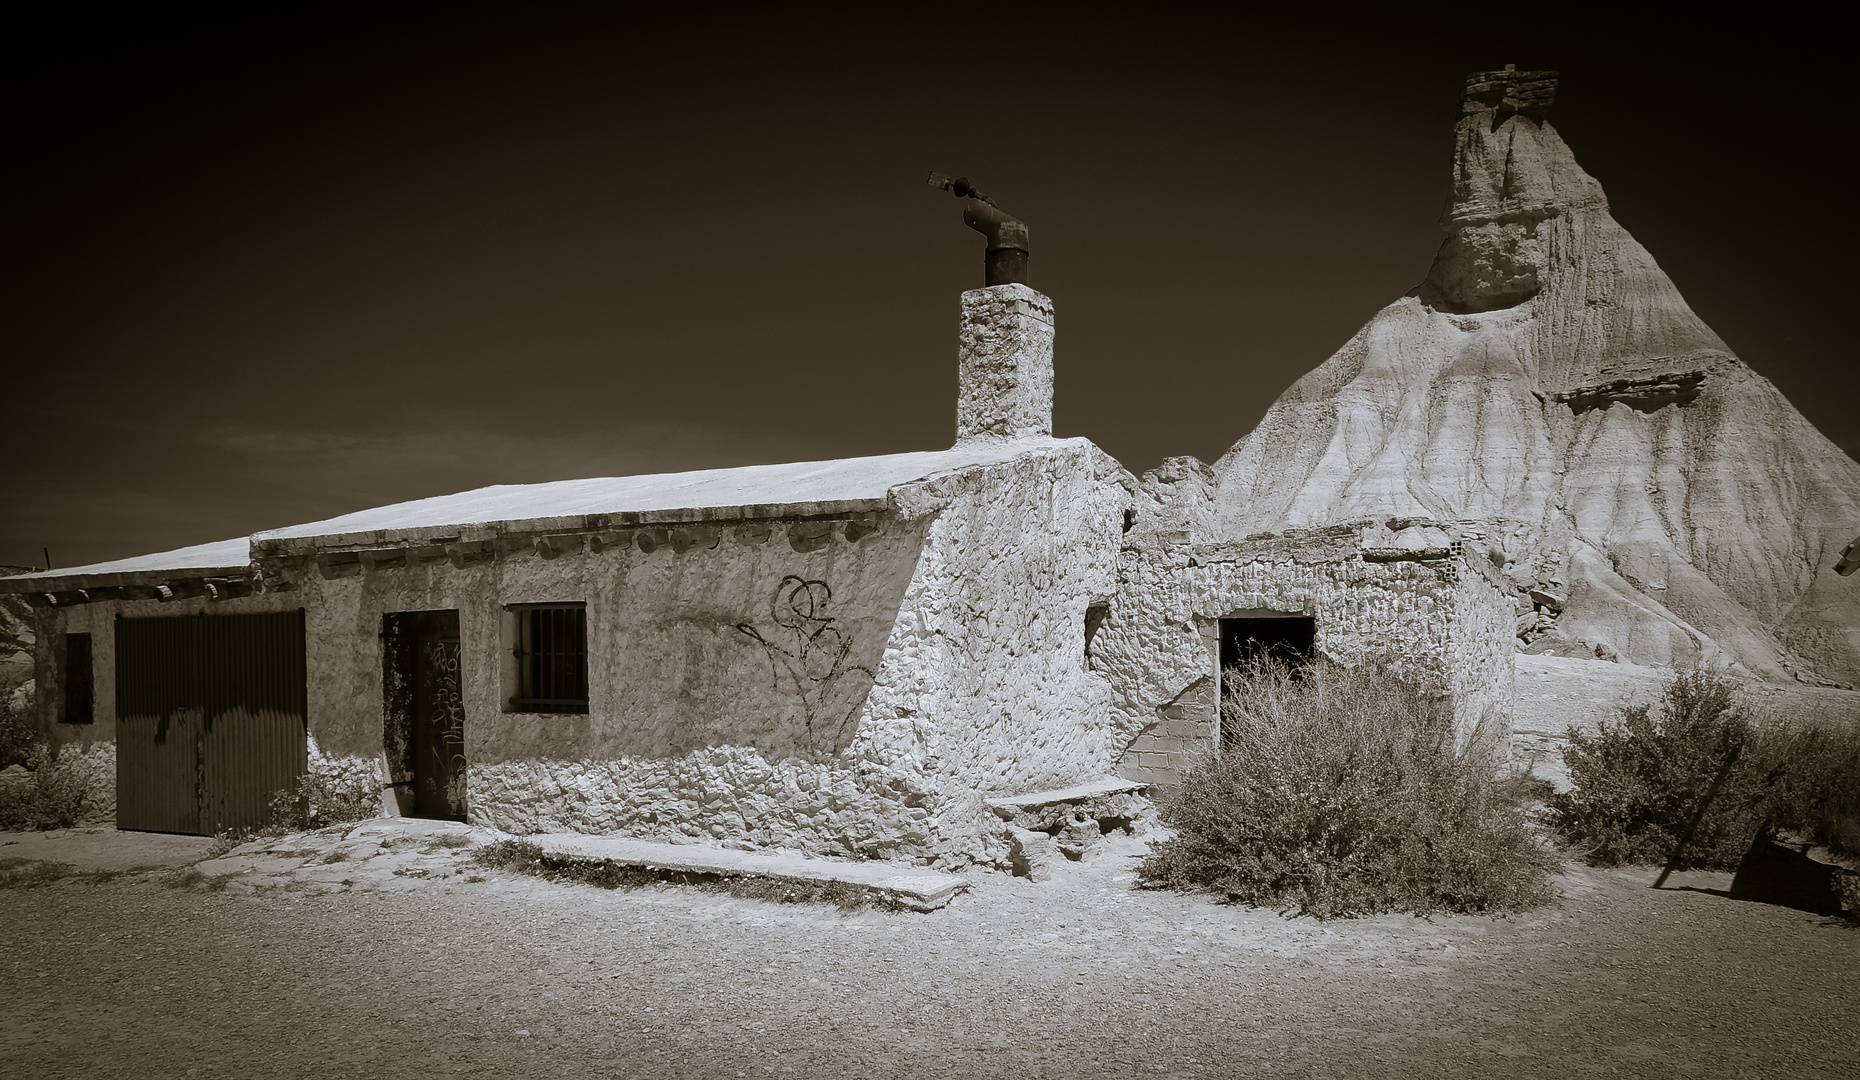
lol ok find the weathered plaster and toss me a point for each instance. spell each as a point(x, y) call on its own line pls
point(1405, 593)
point(980, 687)
point(1005, 362)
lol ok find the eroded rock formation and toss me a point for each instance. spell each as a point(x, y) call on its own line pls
point(1548, 391)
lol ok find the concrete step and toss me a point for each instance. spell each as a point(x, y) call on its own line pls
point(915, 887)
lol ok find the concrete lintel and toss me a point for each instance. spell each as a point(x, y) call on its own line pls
point(916, 887)
point(276, 547)
point(1109, 785)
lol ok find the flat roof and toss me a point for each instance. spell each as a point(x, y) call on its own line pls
point(844, 485)
point(220, 558)
point(801, 488)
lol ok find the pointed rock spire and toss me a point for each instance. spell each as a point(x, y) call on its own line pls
point(1548, 389)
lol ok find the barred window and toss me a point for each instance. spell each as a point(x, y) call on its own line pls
point(552, 658)
point(77, 679)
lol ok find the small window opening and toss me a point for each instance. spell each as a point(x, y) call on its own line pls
point(1094, 618)
point(78, 706)
point(552, 658)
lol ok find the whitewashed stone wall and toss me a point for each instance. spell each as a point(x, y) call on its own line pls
point(980, 689)
point(1005, 364)
point(1410, 597)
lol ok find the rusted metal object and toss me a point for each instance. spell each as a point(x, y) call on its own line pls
point(1005, 262)
point(1850, 560)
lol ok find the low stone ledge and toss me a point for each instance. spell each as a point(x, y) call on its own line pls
point(915, 887)
point(1109, 785)
point(1111, 799)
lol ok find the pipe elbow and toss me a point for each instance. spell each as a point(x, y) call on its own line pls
point(1004, 231)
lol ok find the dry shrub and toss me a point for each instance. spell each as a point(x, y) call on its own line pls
point(330, 792)
point(51, 797)
point(19, 728)
point(1816, 791)
point(1639, 781)
point(1342, 792)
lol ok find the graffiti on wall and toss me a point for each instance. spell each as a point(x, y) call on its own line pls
point(806, 647)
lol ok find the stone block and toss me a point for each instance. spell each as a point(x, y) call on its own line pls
point(1032, 854)
point(1006, 364)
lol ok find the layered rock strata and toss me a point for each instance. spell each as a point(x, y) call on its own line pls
point(1548, 392)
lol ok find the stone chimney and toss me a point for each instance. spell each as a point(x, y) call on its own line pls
point(1006, 365)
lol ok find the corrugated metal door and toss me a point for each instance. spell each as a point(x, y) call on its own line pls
point(210, 719)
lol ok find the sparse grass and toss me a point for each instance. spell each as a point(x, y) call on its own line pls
point(1343, 793)
point(26, 873)
point(335, 856)
point(448, 841)
point(193, 880)
point(29, 873)
point(227, 839)
point(524, 857)
point(1639, 780)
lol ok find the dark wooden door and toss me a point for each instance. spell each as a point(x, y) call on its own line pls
point(424, 710)
point(439, 722)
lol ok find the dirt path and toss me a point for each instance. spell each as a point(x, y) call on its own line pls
point(1080, 976)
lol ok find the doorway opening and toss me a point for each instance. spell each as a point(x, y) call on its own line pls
point(423, 723)
point(1291, 639)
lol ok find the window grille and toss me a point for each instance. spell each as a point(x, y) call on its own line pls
point(77, 679)
point(552, 658)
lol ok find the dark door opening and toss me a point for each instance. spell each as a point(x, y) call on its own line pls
point(424, 710)
point(1292, 639)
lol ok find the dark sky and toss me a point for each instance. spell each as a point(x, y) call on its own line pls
point(267, 268)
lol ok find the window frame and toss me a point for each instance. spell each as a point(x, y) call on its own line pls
point(549, 654)
point(79, 679)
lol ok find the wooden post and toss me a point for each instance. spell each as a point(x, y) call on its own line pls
point(1698, 815)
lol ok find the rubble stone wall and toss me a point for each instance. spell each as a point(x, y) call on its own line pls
point(1425, 610)
point(981, 689)
point(1482, 646)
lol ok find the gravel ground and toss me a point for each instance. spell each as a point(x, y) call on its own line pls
point(1078, 976)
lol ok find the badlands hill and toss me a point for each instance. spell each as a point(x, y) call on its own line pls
point(1548, 389)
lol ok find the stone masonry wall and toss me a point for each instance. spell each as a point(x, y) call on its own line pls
point(1482, 646)
point(1406, 597)
point(981, 690)
point(1005, 363)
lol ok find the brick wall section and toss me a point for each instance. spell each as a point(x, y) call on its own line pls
point(1184, 733)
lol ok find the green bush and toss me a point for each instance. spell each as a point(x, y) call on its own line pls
point(1342, 793)
point(1640, 781)
point(50, 798)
